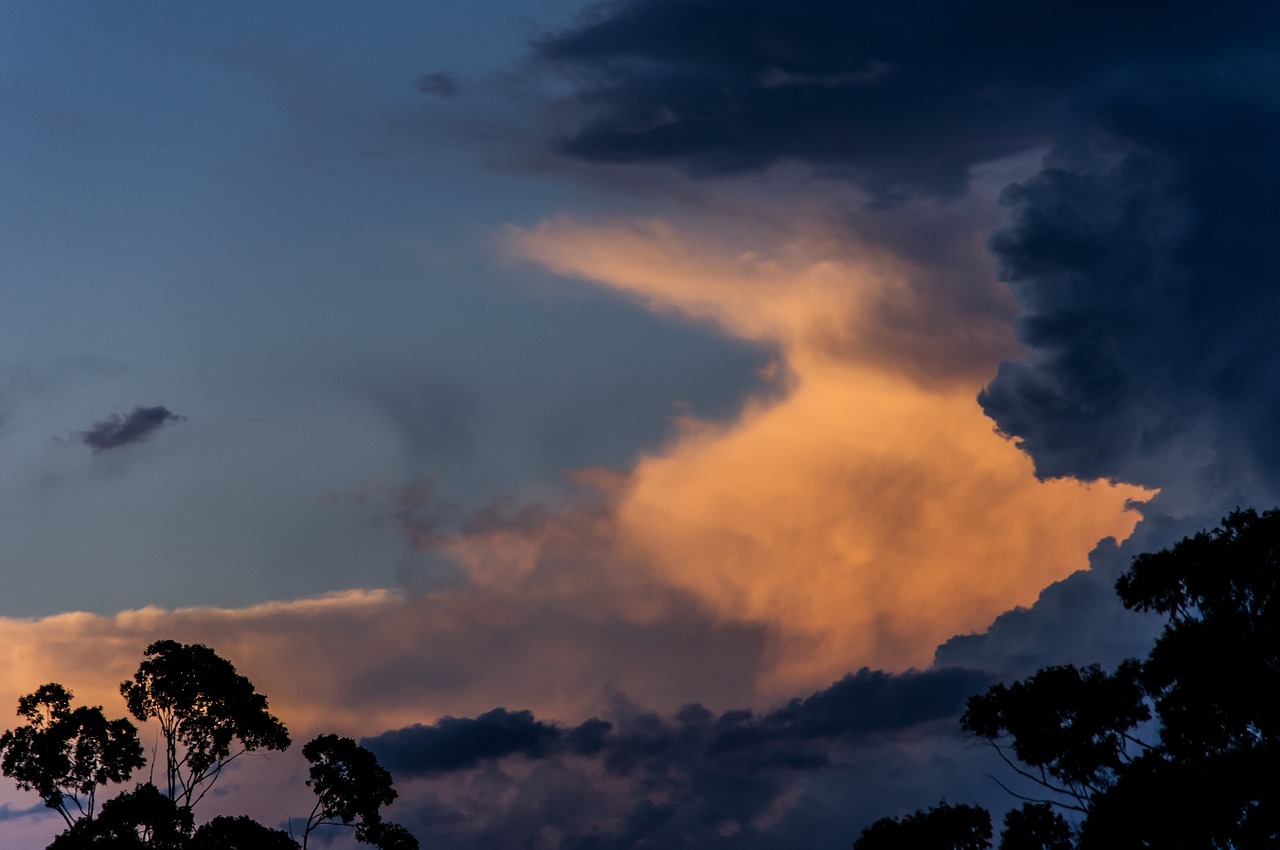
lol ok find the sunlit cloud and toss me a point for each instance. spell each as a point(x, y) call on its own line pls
point(866, 513)
point(857, 511)
point(363, 661)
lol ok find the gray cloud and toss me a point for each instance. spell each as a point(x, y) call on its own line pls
point(456, 743)
point(1147, 276)
point(116, 430)
point(637, 778)
point(903, 97)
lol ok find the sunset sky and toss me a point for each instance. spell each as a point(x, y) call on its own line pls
point(642, 424)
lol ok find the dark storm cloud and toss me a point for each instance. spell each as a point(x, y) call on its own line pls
point(454, 743)
point(641, 779)
point(116, 430)
point(795, 735)
point(1149, 282)
point(903, 96)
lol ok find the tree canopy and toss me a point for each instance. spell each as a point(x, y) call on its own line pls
point(350, 787)
point(943, 827)
point(205, 708)
point(1205, 694)
point(65, 754)
point(208, 715)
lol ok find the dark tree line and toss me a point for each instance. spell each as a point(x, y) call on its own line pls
point(208, 715)
point(1177, 751)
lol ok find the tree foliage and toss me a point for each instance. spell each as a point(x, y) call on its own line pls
point(1035, 826)
point(351, 789)
point(1207, 689)
point(66, 754)
point(943, 827)
point(1071, 728)
point(141, 819)
point(208, 715)
point(240, 833)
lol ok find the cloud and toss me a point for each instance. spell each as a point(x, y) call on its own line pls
point(865, 508)
point(638, 778)
point(369, 660)
point(438, 84)
point(454, 743)
point(794, 735)
point(116, 430)
point(902, 97)
point(1140, 254)
point(1143, 277)
point(605, 767)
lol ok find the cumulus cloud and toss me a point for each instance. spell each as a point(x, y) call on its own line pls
point(136, 427)
point(1145, 278)
point(794, 735)
point(1141, 254)
point(638, 778)
point(455, 743)
point(866, 512)
point(1143, 261)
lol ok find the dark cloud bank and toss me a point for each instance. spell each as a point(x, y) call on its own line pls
point(116, 431)
point(1145, 262)
point(903, 97)
point(640, 779)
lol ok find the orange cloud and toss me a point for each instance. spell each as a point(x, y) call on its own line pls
point(867, 510)
point(859, 511)
point(361, 662)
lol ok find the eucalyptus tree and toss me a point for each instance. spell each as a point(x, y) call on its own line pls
point(1207, 689)
point(208, 714)
point(65, 754)
point(351, 789)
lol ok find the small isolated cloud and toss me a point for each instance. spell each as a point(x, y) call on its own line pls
point(116, 430)
point(439, 84)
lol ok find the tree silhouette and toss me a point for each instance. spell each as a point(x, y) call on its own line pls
point(943, 827)
point(351, 788)
point(209, 715)
point(65, 754)
point(1208, 687)
point(1070, 727)
point(1035, 826)
point(142, 819)
point(204, 708)
point(240, 833)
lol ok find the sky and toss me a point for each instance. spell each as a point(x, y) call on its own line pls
point(642, 423)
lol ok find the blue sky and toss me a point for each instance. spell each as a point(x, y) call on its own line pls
point(247, 214)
